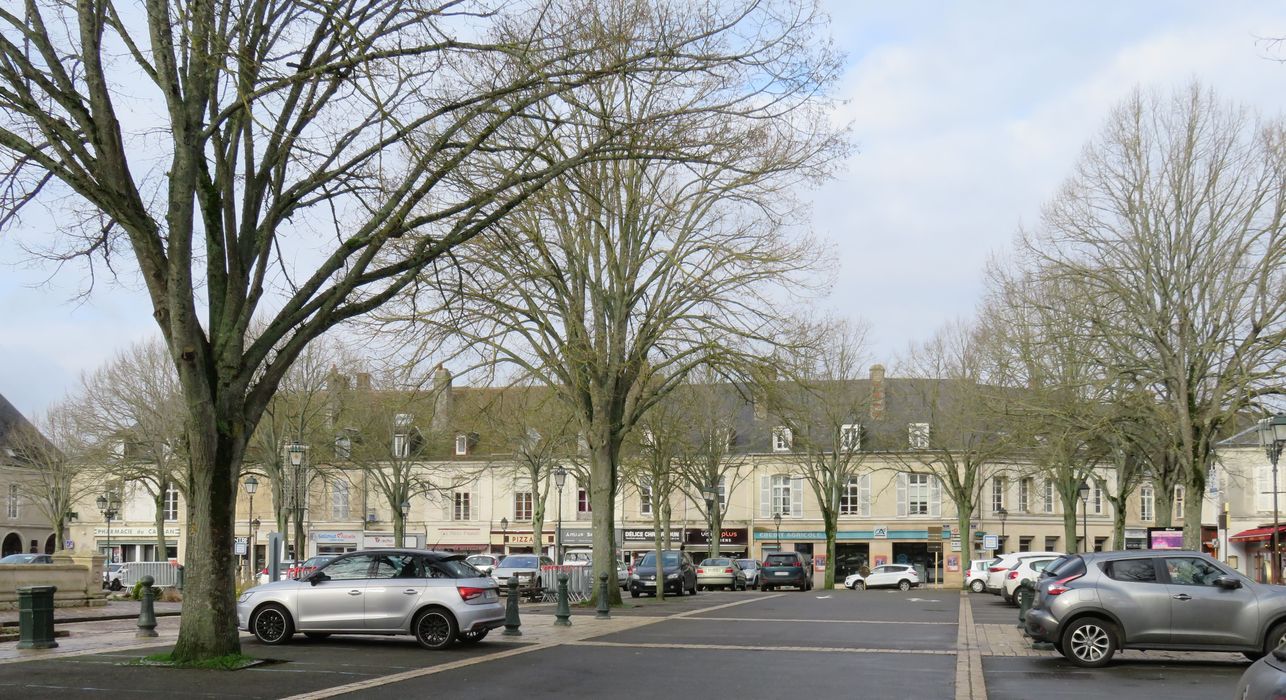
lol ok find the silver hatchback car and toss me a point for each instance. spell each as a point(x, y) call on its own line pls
point(435, 596)
point(1091, 605)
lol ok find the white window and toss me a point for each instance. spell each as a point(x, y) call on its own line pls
point(401, 446)
point(339, 501)
point(1147, 503)
point(1048, 505)
point(171, 503)
point(462, 444)
point(722, 488)
point(343, 447)
point(523, 506)
point(918, 435)
point(1178, 503)
point(12, 505)
point(781, 439)
point(855, 496)
point(645, 500)
point(402, 420)
point(998, 484)
point(781, 494)
point(582, 501)
point(1264, 488)
point(917, 494)
point(1096, 499)
point(1024, 495)
point(649, 438)
point(461, 510)
point(850, 437)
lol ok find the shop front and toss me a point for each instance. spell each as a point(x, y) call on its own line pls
point(854, 549)
point(732, 542)
point(1255, 548)
point(386, 540)
point(334, 541)
point(463, 540)
point(637, 541)
point(520, 541)
point(130, 543)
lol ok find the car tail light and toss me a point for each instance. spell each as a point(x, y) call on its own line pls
point(996, 568)
point(1058, 586)
point(1013, 575)
point(468, 593)
point(727, 571)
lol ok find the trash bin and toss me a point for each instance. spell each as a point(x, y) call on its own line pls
point(36, 617)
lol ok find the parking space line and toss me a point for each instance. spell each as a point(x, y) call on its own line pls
point(754, 647)
point(841, 622)
point(712, 608)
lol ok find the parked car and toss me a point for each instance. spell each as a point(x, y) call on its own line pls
point(1023, 570)
point(903, 576)
point(1265, 679)
point(976, 579)
point(750, 567)
point(787, 569)
point(434, 596)
point(521, 565)
point(112, 576)
point(677, 574)
point(27, 559)
point(721, 572)
point(1000, 568)
point(486, 563)
point(1098, 603)
point(578, 557)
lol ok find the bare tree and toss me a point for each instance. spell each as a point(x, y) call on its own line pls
point(624, 275)
point(285, 145)
point(707, 461)
point(651, 470)
point(54, 464)
point(1173, 224)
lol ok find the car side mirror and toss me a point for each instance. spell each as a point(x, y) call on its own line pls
point(1228, 582)
point(317, 577)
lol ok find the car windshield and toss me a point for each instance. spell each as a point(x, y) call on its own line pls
point(481, 560)
point(748, 563)
point(520, 561)
point(670, 559)
point(781, 560)
point(717, 562)
point(456, 567)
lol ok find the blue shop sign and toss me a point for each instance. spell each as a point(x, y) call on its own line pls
point(771, 535)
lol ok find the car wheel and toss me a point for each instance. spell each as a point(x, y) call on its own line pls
point(1276, 637)
point(1089, 642)
point(766, 589)
point(977, 586)
point(434, 629)
point(317, 635)
point(272, 625)
point(904, 585)
point(473, 637)
point(859, 585)
point(116, 585)
point(634, 594)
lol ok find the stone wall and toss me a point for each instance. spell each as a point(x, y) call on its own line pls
point(79, 579)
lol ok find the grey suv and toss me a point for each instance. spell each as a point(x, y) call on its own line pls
point(1091, 605)
point(435, 596)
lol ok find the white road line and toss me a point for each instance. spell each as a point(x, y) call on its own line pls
point(841, 622)
point(752, 647)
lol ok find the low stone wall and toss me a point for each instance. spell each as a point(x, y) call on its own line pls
point(79, 579)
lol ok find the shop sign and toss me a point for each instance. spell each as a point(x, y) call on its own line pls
point(990, 541)
point(239, 546)
point(377, 541)
point(334, 537)
point(577, 538)
point(955, 545)
point(728, 535)
point(953, 563)
point(123, 532)
point(797, 535)
point(649, 535)
point(880, 532)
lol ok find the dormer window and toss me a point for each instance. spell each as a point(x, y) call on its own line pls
point(850, 437)
point(781, 439)
point(462, 444)
point(402, 420)
point(918, 436)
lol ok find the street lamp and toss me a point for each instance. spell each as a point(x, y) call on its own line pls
point(560, 478)
point(401, 536)
point(504, 542)
point(1003, 515)
point(251, 485)
point(1272, 435)
point(1084, 491)
point(254, 543)
point(776, 518)
point(295, 452)
point(110, 505)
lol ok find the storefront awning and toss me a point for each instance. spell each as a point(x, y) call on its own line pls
point(1258, 534)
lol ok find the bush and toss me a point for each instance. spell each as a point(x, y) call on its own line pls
point(171, 595)
point(136, 593)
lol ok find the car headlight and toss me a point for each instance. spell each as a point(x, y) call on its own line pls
point(634, 577)
point(672, 577)
point(246, 596)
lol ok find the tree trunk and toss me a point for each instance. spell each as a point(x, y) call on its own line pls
point(538, 518)
point(1164, 505)
point(966, 539)
point(1070, 523)
point(399, 527)
point(832, 525)
point(1193, 499)
point(656, 551)
point(159, 520)
point(1118, 524)
point(602, 485)
point(716, 528)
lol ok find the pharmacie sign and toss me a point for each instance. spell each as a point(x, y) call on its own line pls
point(133, 532)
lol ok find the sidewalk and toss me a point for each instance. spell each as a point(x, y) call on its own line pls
point(114, 610)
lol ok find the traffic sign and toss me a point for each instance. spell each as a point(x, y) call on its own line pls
point(991, 541)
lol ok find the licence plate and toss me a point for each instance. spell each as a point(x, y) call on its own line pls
point(649, 583)
point(491, 594)
point(781, 573)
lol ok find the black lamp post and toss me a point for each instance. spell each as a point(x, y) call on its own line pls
point(251, 485)
point(110, 505)
point(711, 498)
point(401, 536)
point(504, 529)
point(776, 518)
point(560, 478)
point(254, 544)
point(1272, 435)
point(1084, 491)
point(1003, 515)
point(296, 452)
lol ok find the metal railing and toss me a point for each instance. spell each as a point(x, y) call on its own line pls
point(163, 573)
point(580, 582)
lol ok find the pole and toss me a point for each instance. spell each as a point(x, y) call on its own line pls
point(1085, 523)
point(558, 534)
point(111, 559)
point(1277, 552)
point(250, 548)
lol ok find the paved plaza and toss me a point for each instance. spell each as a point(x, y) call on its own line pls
point(924, 643)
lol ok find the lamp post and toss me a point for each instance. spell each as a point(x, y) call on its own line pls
point(560, 478)
point(109, 504)
point(1272, 435)
point(254, 544)
point(295, 451)
point(401, 536)
point(1084, 491)
point(776, 518)
point(251, 485)
point(504, 542)
point(1003, 515)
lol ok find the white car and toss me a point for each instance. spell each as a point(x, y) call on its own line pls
point(903, 576)
point(486, 563)
point(976, 579)
point(1024, 570)
point(1001, 565)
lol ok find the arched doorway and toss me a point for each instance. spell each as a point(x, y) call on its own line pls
point(50, 545)
point(12, 544)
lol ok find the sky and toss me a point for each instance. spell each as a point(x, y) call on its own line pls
point(966, 117)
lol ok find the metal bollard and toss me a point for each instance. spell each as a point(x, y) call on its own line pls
point(36, 617)
point(1026, 595)
point(179, 584)
point(512, 623)
point(563, 615)
point(147, 611)
point(604, 605)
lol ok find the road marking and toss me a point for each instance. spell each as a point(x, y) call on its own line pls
point(842, 622)
point(712, 608)
point(970, 684)
point(751, 647)
point(822, 597)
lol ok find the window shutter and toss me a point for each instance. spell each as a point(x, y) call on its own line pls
point(935, 497)
point(797, 497)
point(765, 497)
point(864, 495)
point(901, 494)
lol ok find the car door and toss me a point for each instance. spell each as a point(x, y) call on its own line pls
point(332, 598)
point(880, 576)
point(1137, 596)
point(393, 590)
point(1207, 615)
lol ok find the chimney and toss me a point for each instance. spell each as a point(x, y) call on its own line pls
point(363, 381)
point(877, 392)
point(442, 400)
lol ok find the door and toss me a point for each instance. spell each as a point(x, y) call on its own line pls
point(393, 590)
point(333, 598)
point(1207, 615)
point(880, 576)
point(1133, 591)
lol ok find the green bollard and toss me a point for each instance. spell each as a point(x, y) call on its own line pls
point(1026, 595)
point(563, 615)
point(147, 611)
point(605, 606)
point(36, 617)
point(512, 623)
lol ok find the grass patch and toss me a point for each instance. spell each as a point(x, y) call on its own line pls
point(229, 662)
